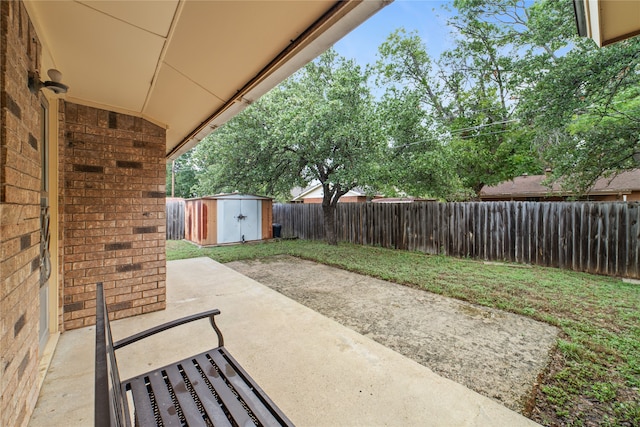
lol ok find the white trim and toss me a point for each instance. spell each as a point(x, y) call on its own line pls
point(46, 357)
point(54, 226)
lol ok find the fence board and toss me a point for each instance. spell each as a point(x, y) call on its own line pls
point(602, 238)
point(511, 244)
point(477, 238)
point(175, 219)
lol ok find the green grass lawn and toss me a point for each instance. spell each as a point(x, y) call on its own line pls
point(594, 375)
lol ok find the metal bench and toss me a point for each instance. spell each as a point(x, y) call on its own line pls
point(207, 389)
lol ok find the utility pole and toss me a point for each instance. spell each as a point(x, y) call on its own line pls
point(173, 178)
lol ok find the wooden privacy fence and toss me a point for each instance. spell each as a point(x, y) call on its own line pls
point(601, 238)
point(175, 218)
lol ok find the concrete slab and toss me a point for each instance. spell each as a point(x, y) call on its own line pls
point(319, 372)
point(498, 354)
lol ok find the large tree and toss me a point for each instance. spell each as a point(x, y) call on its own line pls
point(518, 92)
point(584, 111)
point(576, 104)
point(466, 100)
point(318, 126)
point(418, 162)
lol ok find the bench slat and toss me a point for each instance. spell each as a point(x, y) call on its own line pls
point(209, 401)
point(142, 402)
point(229, 399)
point(245, 392)
point(189, 408)
point(249, 392)
point(167, 410)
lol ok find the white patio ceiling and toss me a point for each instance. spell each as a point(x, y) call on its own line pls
point(184, 64)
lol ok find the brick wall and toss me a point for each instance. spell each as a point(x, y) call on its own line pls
point(113, 206)
point(20, 147)
point(111, 214)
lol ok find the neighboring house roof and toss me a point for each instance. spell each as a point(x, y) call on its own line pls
point(315, 191)
point(297, 191)
point(532, 186)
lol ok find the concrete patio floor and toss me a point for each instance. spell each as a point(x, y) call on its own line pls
point(318, 372)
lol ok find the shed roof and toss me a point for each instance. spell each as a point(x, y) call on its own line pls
point(232, 196)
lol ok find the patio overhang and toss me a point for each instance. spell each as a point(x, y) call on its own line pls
point(188, 66)
point(607, 21)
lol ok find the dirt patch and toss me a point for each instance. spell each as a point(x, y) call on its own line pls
point(495, 353)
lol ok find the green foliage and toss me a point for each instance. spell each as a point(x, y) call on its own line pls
point(241, 156)
point(328, 126)
point(557, 396)
point(184, 176)
point(462, 104)
point(518, 92)
point(584, 111)
point(418, 163)
point(603, 391)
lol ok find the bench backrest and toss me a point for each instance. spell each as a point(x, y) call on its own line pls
point(110, 403)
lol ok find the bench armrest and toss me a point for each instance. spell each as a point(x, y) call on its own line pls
point(144, 334)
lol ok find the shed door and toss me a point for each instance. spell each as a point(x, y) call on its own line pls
point(238, 219)
point(251, 225)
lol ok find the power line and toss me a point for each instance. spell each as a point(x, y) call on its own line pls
point(456, 131)
point(465, 137)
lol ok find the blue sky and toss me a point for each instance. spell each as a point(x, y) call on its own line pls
point(427, 17)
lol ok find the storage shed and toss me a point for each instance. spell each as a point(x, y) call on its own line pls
point(228, 218)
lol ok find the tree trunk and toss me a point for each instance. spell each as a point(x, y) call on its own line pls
point(329, 216)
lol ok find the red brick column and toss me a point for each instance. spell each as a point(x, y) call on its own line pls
point(20, 146)
point(113, 213)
